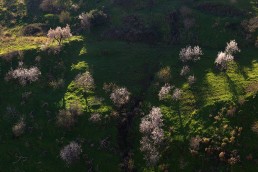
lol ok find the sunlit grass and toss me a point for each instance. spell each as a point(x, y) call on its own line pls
point(21, 43)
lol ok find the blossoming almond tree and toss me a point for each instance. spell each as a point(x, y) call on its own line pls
point(224, 57)
point(153, 135)
point(59, 34)
point(120, 96)
point(164, 91)
point(71, 152)
point(24, 75)
point(190, 54)
point(86, 82)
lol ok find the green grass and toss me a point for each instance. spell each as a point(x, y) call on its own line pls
point(22, 43)
point(133, 65)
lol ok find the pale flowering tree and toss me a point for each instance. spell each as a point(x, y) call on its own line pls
point(95, 117)
point(232, 47)
point(177, 94)
point(24, 75)
point(190, 54)
point(120, 96)
point(71, 152)
point(191, 79)
point(59, 34)
point(85, 20)
point(152, 155)
point(86, 82)
point(164, 91)
point(185, 70)
point(167, 89)
point(18, 128)
point(222, 60)
point(224, 57)
point(195, 143)
point(153, 135)
point(93, 18)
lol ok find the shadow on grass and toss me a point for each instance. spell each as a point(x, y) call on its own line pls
point(232, 87)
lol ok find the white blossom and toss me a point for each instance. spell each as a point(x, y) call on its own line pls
point(24, 75)
point(190, 54)
point(164, 91)
point(85, 81)
point(59, 34)
point(191, 79)
point(177, 94)
point(222, 59)
point(185, 70)
point(232, 47)
point(95, 117)
point(120, 96)
point(195, 143)
point(18, 129)
point(71, 152)
point(152, 155)
point(153, 135)
point(85, 20)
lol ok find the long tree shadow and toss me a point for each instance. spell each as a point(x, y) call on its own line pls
point(232, 87)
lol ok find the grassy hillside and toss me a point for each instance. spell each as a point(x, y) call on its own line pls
point(140, 39)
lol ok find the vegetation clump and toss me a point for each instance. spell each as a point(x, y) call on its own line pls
point(19, 128)
point(23, 75)
point(59, 34)
point(153, 135)
point(71, 152)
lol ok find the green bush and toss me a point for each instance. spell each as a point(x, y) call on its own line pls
point(51, 19)
point(35, 29)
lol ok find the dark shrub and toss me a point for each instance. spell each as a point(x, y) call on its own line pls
point(64, 17)
point(32, 6)
point(35, 29)
point(93, 18)
point(65, 119)
point(220, 9)
point(134, 30)
point(123, 2)
point(98, 17)
point(173, 20)
point(49, 6)
point(51, 19)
